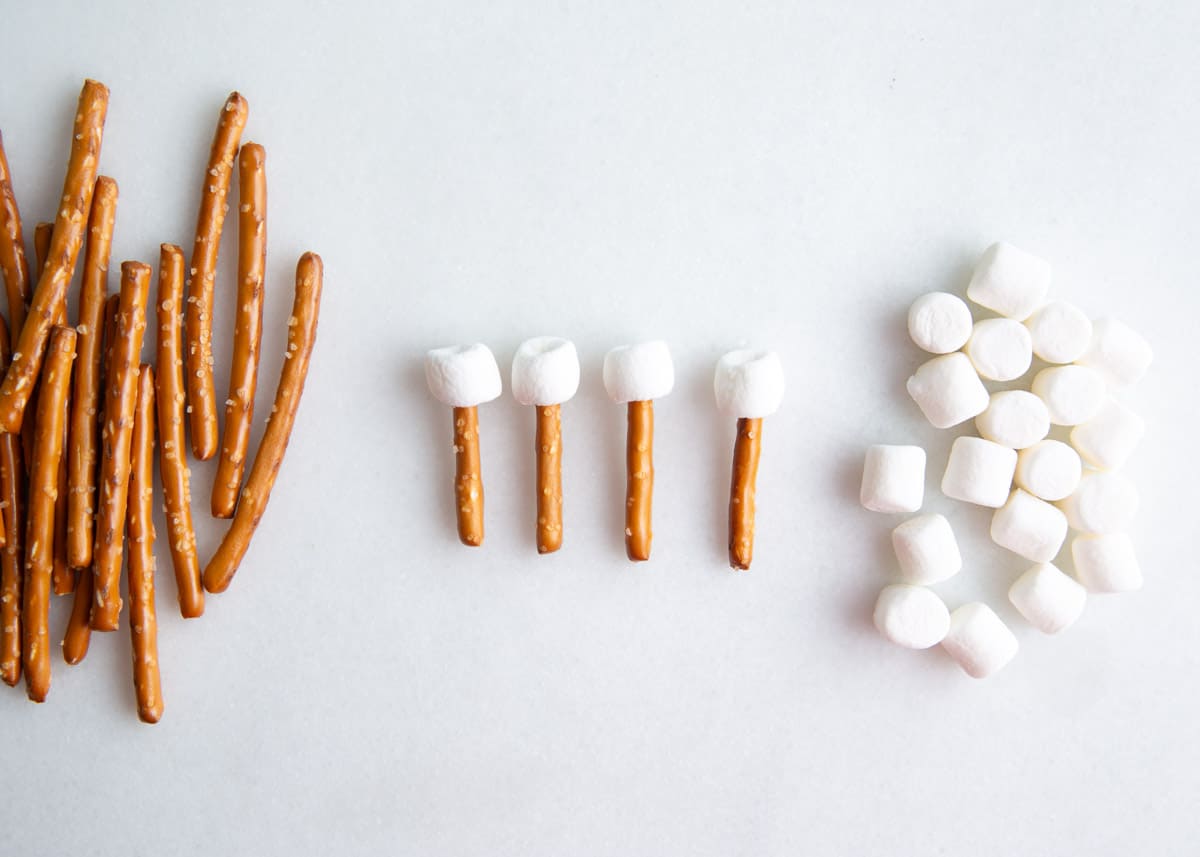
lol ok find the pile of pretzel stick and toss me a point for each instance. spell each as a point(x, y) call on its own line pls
point(80, 412)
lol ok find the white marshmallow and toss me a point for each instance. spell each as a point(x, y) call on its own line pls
point(1048, 599)
point(947, 390)
point(939, 322)
point(545, 371)
point(926, 549)
point(911, 616)
point(893, 479)
point(979, 471)
point(749, 384)
point(639, 373)
point(1105, 502)
point(1073, 394)
point(1050, 470)
point(1014, 418)
point(1060, 332)
point(1010, 281)
point(1108, 439)
point(1000, 349)
point(1106, 563)
point(462, 376)
point(1117, 352)
point(978, 640)
point(1029, 527)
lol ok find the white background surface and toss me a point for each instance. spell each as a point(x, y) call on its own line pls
point(714, 175)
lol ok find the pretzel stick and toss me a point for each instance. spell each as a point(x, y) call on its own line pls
point(746, 450)
point(639, 485)
point(43, 487)
point(172, 462)
point(302, 333)
point(115, 438)
point(42, 233)
point(49, 298)
point(247, 331)
point(549, 478)
point(143, 624)
point(63, 576)
point(13, 264)
point(468, 476)
point(12, 557)
point(202, 396)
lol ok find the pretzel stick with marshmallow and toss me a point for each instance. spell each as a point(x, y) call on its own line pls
point(143, 623)
point(14, 266)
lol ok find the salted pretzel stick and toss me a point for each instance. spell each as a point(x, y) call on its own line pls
point(302, 333)
point(115, 438)
point(639, 482)
point(201, 393)
point(43, 487)
point(63, 576)
point(84, 428)
point(172, 460)
point(746, 450)
point(468, 476)
point(12, 557)
point(13, 264)
point(247, 331)
point(548, 440)
point(143, 624)
point(49, 298)
point(42, 233)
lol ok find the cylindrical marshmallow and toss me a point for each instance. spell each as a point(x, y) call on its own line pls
point(1117, 352)
point(1060, 332)
point(462, 376)
point(1073, 394)
point(749, 384)
point(1108, 439)
point(639, 373)
point(926, 549)
point(1049, 469)
point(978, 640)
point(1000, 349)
point(979, 471)
point(545, 371)
point(1048, 599)
point(1010, 281)
point(1014, 418)
point(939, 322)
point(1029, 527)
point(911, 616)
point(1106, 563)
point(948, 390)
point(1104, 502)
point(893, 479)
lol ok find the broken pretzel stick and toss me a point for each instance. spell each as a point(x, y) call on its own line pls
point(14, 266)
point(12, 556)
point(143, 624)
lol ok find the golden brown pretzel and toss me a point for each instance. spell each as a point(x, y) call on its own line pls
point(12, 557)
point(468, 476)
point(79, 630)
point(49, 298)
point(247, 331)
point(116, 436)
point(43, 487)
point(639, 486)
point(62, 576)
point(201, 393)
point(14, 266)
point(548, 439)
point(42, 233)
point(143, 624)
point(741, 492)
point(176, 479)
point(302, 333)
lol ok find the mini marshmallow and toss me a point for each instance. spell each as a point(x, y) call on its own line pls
point(1014, 418)
point(1010, 281)
point(939, 322)
point(1117, 352)
point(1048, 599)
point(1061, 332)
point(462, 376)
point(1029, 527)
point(1105, 502)
point(978, 640)
point(639, 373)
point(911, 616)
point(979, 471)
point(893, 479)
point(948, 390)
point(1000, 349)
point(1106, 563)
point(545, 371)
point(1050, 470)
point(926, 549)
point(1108, 439)
point(749, 384)
point(1073, 394)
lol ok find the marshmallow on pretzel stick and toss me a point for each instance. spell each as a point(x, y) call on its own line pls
point(748, 385)
point(545, 373)
point(464, 377)
point(636, 375)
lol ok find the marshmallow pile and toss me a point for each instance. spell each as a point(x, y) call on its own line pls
point(1043, 489)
